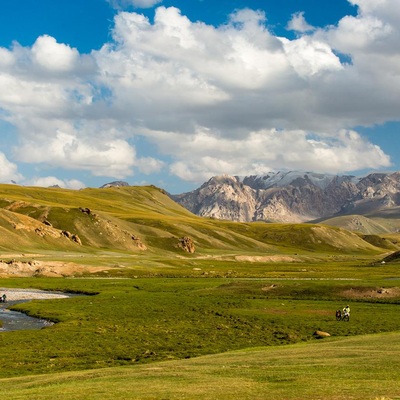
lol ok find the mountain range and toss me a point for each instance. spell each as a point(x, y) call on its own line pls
point(295, 197)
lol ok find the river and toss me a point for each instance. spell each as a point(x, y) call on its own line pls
point(15, 321)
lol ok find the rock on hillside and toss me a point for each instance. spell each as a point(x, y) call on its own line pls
point(114, 184)
point(28, 230)
point(186, 244)
point(292, 196)
point(84, 226)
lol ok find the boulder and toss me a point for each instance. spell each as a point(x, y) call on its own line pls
point(72, 236)
point(321, 334)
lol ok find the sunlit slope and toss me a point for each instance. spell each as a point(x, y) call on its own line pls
point(118, 201)
point(22, 233)
point(358, 223)
point(374, 223)
point(96, 216)
point(145, 219)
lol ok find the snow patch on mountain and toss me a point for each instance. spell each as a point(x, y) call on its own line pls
point(281, 179)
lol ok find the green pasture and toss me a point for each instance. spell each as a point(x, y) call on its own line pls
point(357, 368)
point(145, 320)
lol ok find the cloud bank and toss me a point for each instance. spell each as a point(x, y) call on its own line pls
point(231, 99)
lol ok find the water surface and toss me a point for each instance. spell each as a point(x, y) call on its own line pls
point(16, 321)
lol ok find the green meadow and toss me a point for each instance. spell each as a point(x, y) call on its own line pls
point(199, 337)
point(235, 319)
point(349, 368)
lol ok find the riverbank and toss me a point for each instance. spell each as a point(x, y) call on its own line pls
point(15, 321)
point(30, 294)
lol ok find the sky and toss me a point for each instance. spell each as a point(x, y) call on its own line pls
point(173, 92)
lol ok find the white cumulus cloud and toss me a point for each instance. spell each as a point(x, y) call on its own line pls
point(8, 170)
point(309, 57)
point(49, 181)
point(229, 99)
point(105, 157)
point(54, 56)
point(298, 23)
point(267, 150)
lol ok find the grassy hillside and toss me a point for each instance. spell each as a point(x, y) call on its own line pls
point(358, 223)
point(384, 221)
point(138, 230)
point(19, 232)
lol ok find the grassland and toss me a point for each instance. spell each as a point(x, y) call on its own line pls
point(198, 338)
point(235, 319)
point(357, 368)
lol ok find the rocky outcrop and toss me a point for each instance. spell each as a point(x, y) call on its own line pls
point(104, 230)
point(186, 243)
point(223, 197)
point(72, 236)
point(138, 243)
point(114, 184)
point(40, 228)
point(291, 196)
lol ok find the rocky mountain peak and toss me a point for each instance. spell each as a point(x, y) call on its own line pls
point(114, 184)
point(292, 196)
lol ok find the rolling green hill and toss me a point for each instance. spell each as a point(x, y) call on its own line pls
point(378, 222)
point(358, 223)
point(145, 222)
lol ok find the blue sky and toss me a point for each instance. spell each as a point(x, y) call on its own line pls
point(172, 92)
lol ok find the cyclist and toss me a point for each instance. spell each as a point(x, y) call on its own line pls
point(346, 311)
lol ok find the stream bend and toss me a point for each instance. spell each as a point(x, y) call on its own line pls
point(14, 320)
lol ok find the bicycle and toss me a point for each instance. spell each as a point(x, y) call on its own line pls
point(342, 316)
